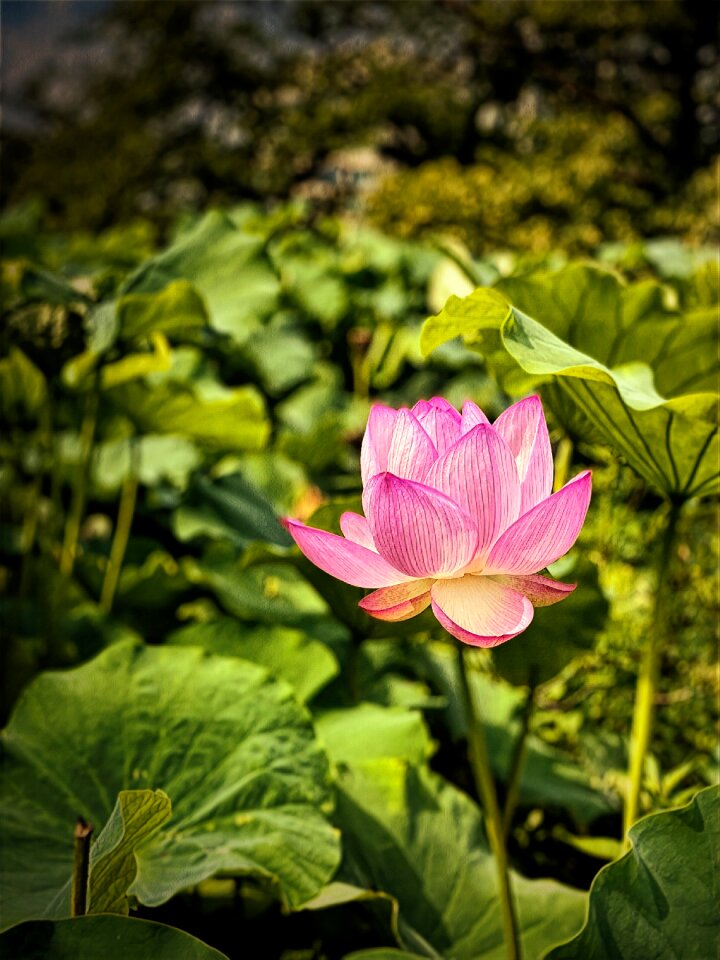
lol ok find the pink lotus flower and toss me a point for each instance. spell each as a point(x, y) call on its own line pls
point(460, 515)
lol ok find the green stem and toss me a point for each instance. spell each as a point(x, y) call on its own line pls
point(81, 868)
point(648, 676)
point(485, 784)
point(126, 511)
point(79, 494)
point(517, 763)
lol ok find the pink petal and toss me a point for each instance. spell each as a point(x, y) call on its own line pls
point(472, 415)
point(440, 403)
point(545, 532)
point(411, 452)
point(540, 591)
point(480, 611)
point(417, 529)
point(376, 441)
point(480, 475)
point(524, 429)
point(398, 603)
point(342, 558)
point(440, 421)
point(356, 528)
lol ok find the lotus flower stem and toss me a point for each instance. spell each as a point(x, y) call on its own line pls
point(517, 763)
point(126, 511)
point(81, 868)
point(485, 784)
point(648, 675)
point(79, 494)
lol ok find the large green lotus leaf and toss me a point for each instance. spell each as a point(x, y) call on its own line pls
point(234, 421)
point(434, 860)
point(229, 508)
point(230, 746)
point(369, 731)
point(226, 265)
point(661, 899)
point(557, 634)
point(102, 938)
point(135, 817)
point(294, 656)
point(642, 374)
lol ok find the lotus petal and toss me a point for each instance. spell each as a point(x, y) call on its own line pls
point(417, 529)
point(480, 611)
point(544, 533)
point(411, 452)
point(376, 441)
point(356, 528)
point(540, 591)
point(344, 559)
point(398, 603)
point(479, 473)
point(440, 420)
point(525, 431)
point(472, 415)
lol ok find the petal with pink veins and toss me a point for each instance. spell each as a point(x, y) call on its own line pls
point(544, 533)
point(402, 602)
point(417, 529)
point(441, 423)
point(376, 441)
point(525, 431)
point(472, 415)
point(344, 559)
point(411, 452)
point(479, 473)
point(356, 528)
point(480, 611)
point(540, 591)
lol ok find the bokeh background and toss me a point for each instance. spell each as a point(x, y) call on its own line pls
point(223, 226)
point(528, 125)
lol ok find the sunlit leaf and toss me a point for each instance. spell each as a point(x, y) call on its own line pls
point(368, 732)
point(175, 309)
point(639, 372)
point(135, 817)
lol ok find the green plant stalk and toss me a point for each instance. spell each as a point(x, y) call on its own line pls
point(81, 868)
point(485, 784)
point(30, 520)
point(126, 512)
point(646, 689)
point(79, 494)
point(517, 763)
